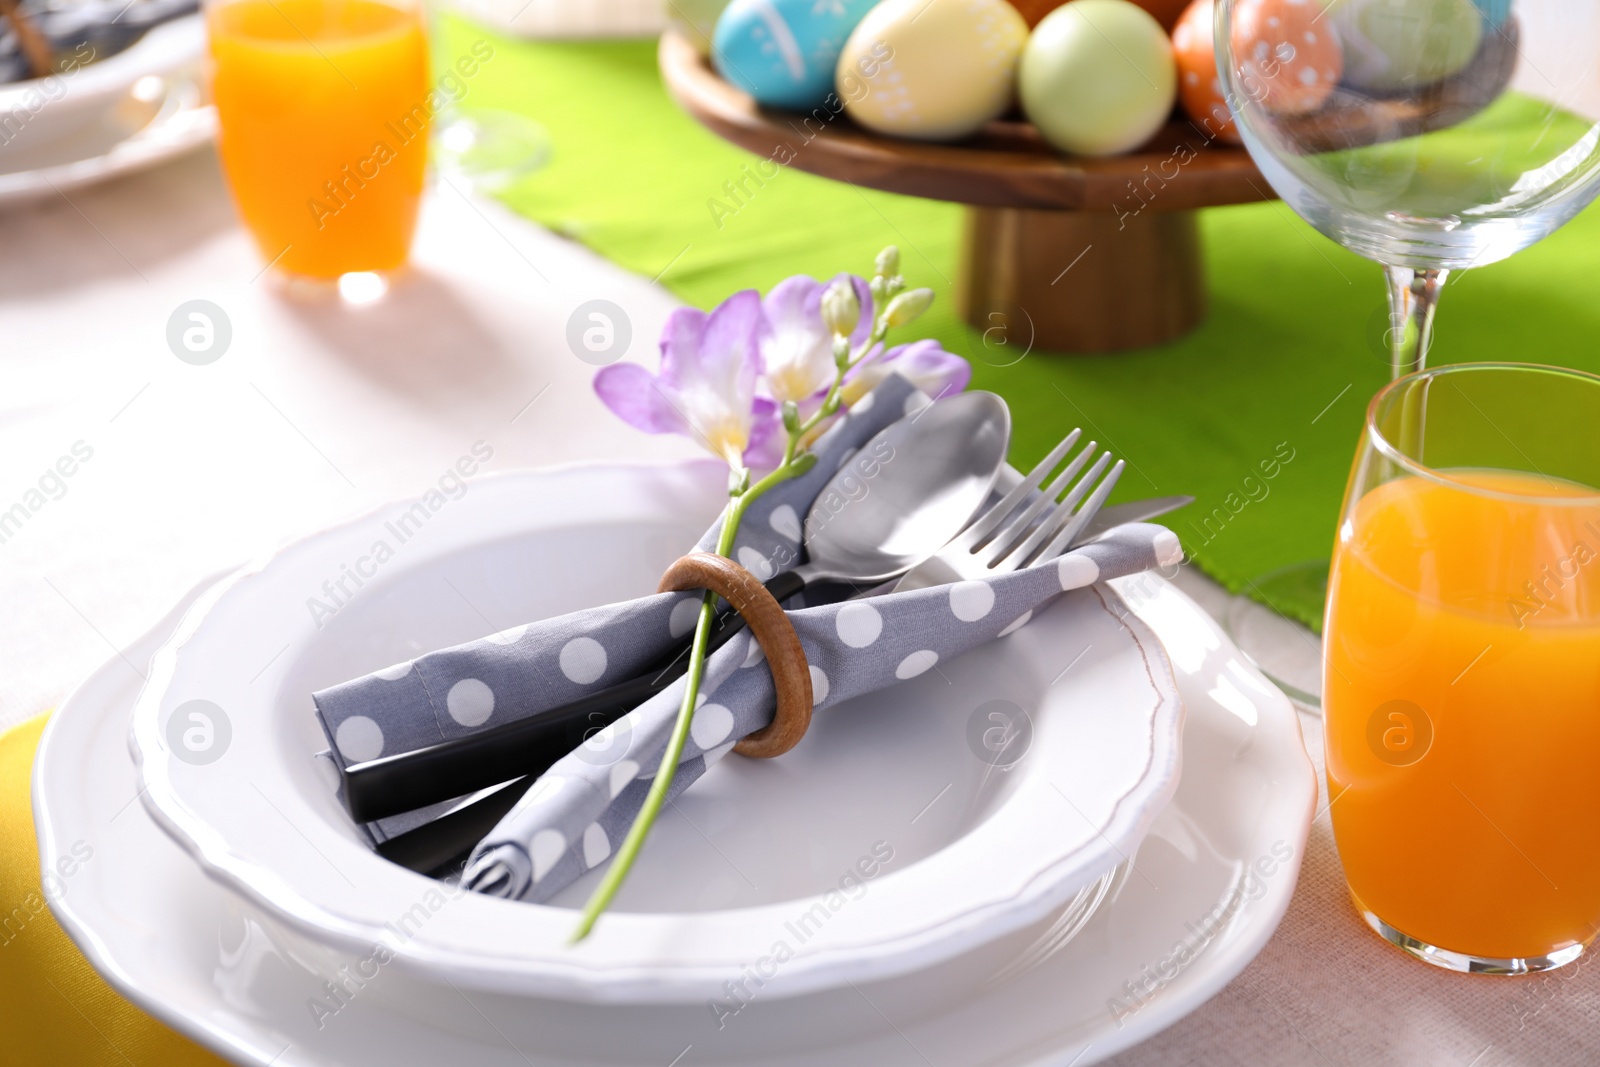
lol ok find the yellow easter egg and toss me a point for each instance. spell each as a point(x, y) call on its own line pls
point(934, 70)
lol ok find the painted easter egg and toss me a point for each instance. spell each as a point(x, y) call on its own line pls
point(933, 70)
point(1288, 57)
point(1199, 87)
point(1166, 12)
point(784, 52)
point(1495, 12)
point(1097, 77)
point(1392, 46)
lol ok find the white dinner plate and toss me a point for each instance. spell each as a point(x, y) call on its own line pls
point(37, 112)
point(158, 119)
point(884, 845)
point(1207, 888)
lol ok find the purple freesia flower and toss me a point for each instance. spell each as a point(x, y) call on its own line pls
point(706, 388)
point(927, 365)
point(797, 352)
point(924, 363)
point(714, 363)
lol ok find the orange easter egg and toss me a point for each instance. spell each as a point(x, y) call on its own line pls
point(1199, 87)
point(1287, 59)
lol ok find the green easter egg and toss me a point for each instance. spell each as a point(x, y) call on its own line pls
point(1395, 45)
point(1098, 77)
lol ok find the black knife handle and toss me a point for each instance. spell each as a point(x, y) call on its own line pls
point(439, 847)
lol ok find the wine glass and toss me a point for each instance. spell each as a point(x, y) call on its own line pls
point(1427, 135)
point(485, 149)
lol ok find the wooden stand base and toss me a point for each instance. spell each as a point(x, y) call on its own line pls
point(1080, 281)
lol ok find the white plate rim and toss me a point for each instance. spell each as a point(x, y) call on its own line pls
point(162, 49)
point(190, 125)
point(620, 979)
point(57, 733)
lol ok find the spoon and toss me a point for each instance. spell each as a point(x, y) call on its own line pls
point(906, 493)
point(900, 498)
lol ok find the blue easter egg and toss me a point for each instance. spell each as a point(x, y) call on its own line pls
point(1495, 12)
point(783, 52)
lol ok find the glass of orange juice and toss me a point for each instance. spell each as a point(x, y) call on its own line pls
point(324, 114)
point(1462, 668)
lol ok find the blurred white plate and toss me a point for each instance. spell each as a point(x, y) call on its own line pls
point(155, 120)
point(1213, 876)
point(41, 111)
point(962, 852)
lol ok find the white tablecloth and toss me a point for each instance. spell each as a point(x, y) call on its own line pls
point(315, 412)
point(319, 412)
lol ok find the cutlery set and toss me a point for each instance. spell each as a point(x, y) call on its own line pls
point(922, 521)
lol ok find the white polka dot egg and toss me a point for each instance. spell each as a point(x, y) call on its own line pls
point(1287, 56)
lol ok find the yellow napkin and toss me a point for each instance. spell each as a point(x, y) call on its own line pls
point(55, 1011)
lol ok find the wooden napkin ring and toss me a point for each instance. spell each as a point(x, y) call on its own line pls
point(791, 676)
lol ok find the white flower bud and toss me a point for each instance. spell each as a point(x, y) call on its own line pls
point(841, 309)
point(888, 263)
point(908, 306)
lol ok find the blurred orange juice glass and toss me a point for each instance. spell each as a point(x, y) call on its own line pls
point(323, 107)
point(1462, 668)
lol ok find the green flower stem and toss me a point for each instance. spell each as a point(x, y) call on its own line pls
point(657, 797)
point(830, 402)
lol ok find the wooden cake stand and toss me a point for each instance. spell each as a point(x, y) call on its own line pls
point(1064, 253)
point(1076, 255)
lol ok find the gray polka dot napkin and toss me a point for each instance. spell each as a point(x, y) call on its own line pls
point(528, 669)
point(580, 809)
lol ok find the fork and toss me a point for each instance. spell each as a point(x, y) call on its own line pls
point(986, 548)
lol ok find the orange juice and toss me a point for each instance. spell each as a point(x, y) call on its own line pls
point(324, 115)
point(1462, 705)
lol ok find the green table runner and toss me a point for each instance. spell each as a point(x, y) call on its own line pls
point(1256, 413)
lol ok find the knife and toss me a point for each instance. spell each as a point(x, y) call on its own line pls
point(1131, 511)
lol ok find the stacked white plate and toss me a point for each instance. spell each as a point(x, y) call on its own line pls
point(888, 891)
point(112, 116)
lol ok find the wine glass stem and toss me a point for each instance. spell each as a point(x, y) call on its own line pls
point(1413, 298)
